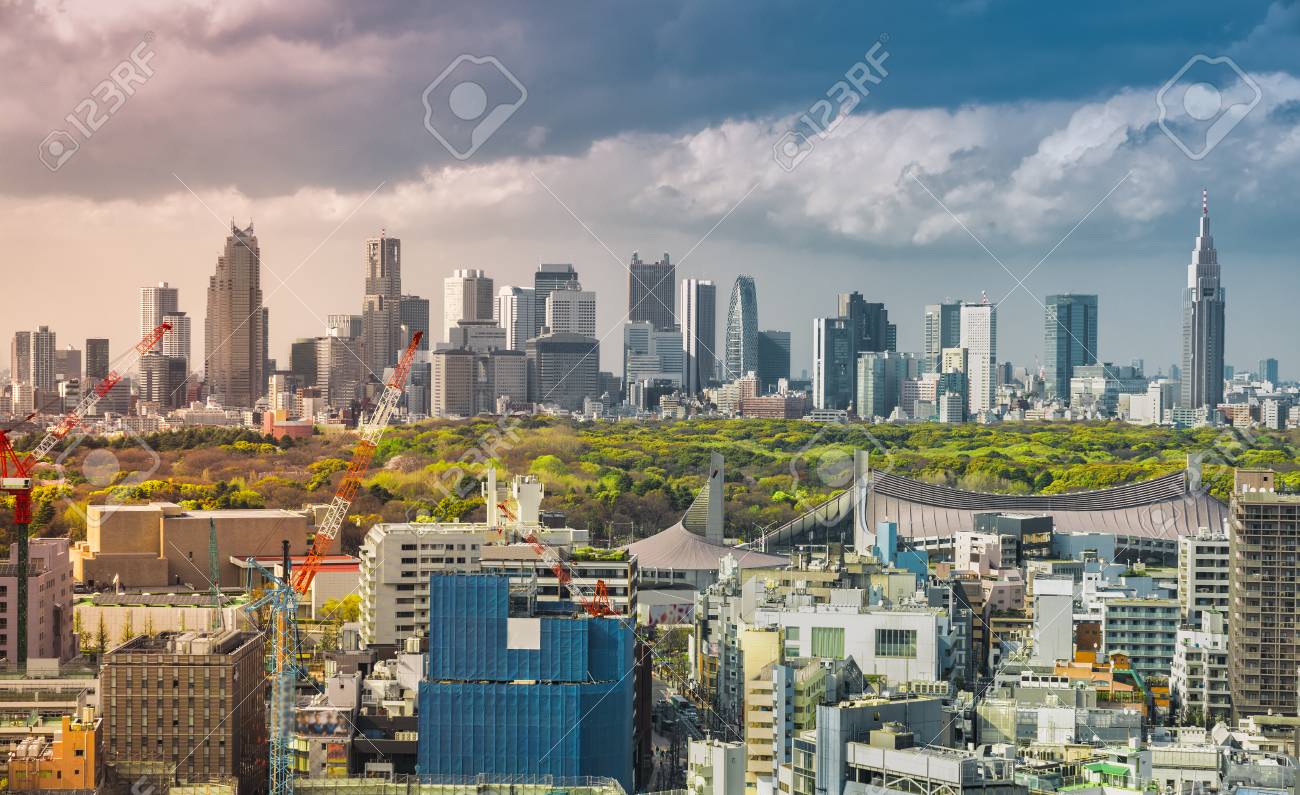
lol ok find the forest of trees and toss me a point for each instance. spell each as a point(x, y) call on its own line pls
point(620, 479)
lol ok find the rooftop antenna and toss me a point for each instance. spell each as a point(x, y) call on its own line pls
point(214, 573)
point(1205, 202)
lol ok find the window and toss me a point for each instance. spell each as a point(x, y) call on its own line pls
point(828, 642)
point(896, 643)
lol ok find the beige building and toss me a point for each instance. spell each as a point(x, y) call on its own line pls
point(49, 602)
point(163, 544)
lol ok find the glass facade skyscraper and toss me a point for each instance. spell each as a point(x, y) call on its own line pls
point(1201, 381)
point(1070, 340)
point(742, 329)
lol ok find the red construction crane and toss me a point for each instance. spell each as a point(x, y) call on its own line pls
point(361, 457)
point(597, 603)
point(16, 468)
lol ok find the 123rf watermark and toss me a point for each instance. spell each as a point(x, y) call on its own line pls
point(103, 102)
point(824, 116)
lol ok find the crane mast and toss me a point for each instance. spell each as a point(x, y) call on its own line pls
point(16, 469)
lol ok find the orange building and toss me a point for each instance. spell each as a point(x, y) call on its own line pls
point(70, 762)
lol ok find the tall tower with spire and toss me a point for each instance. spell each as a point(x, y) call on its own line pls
point(1203, 326)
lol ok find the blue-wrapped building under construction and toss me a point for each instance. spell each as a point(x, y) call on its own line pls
point(513, 690)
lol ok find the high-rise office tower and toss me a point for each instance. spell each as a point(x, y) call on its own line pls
point(869, 323)
point(942, 330)
point(67, 364)
point(571, 310)
point(979, 336)
point(773, 358)
point(832, 376)
point(1070, 339)
point(96, 359)
point(516, 314)
point(176, 342)
point(345, 326)
point(563, 369)
point(381, 308)
point(20, 358)
point(1267, 371)
point(302, 361)
point(467, 294)
point(699, 333)
point(162, 380)
point(742, 329)
point(1263, 578)
point(879, 381)
point(155, 304)
point(651, 292)
point(235, 329)
point(549, 276)
point(651, 354)
point(413, 316)
point(953, 388)
point(1203, 325)
point(42, 359)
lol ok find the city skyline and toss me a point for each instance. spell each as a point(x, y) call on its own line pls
point(893, 242)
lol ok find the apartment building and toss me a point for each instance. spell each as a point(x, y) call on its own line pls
point(1202, 574)
point(1146, 630)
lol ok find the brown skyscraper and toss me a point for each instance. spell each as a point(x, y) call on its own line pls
point(381, 309)
point(234, 344)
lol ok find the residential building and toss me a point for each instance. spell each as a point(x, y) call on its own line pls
point(832, 376)
point(571, 310)
point(186, 707)
point(515, 688)
point(413, 316)
point(715, 767)
point(20, 358)
point(235, 328)
point(155, 304)
point(468, 294)
point(1070, 339)
point(979, 337)
point(1198, 678)
point(742, 346)
point(50, 602)
point(1263, 582)
point(942, 330)
point(44, 346)
point(563, 369)
point(1203, 574)
point(548, 277)
point(1202, 371)
point(651, 292)
point(773, 358)
point(1145, 630)
point(516, 314)
point(699, 333)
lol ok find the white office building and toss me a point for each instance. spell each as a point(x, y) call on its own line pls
point(979, 336)
point(571, 310)
point(516, 313)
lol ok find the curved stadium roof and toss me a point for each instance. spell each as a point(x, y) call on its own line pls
point(1163, 507)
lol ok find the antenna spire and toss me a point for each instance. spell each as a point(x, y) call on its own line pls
point(1205, 202)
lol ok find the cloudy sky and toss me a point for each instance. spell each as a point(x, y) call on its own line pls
point(1005, 137)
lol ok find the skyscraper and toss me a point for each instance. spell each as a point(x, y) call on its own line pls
point(467, 294)
point(176, 342)
point(979, 336)
point(832, 377)
point(571, 310)
point(155, 304)
point(43, 349)
point(20, 358)
point(563, 369)
point(773, 358)
point(1267, 370)
point(413, 316)
point(869, 324)
point(699, 333)
point(549, 276)
point(1070, 339)
point(381, 309)
point(96, 359)
point(1203, 325)
point(742, 329)
point(650, 292)
point(515, 313)
point(235, 329)
point(942, 330)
